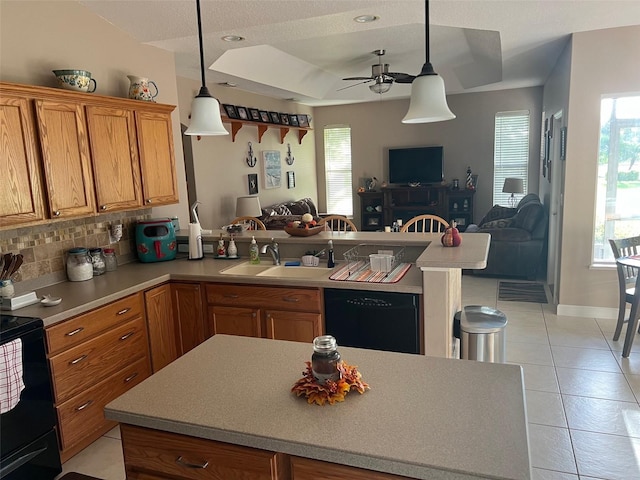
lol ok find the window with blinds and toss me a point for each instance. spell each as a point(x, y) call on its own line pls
point(511, 153)
point(337, 165)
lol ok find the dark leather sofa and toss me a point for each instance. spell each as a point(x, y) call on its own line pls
point(518, 239)
point(277, 216)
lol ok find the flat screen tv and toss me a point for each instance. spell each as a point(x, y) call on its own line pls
point(416, 165)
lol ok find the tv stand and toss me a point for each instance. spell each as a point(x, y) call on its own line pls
point(405, 202)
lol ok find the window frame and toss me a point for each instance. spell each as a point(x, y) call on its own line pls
point(503, 149)
point(336, 203)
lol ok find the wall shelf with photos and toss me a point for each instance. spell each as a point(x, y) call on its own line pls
point(237, 124)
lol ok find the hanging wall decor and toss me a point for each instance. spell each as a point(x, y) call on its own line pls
point(291, 179)
point(253, 183)
point(289, 158)
point(272, 168)
point(251, 160)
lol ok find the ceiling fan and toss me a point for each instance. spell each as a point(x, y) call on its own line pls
point(381, 76)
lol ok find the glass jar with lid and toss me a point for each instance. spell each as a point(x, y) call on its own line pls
point(325, 359)
point(79, 266)
point(110, 259)
point(97, 260)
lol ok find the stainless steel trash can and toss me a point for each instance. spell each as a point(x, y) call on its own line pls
point(482, 334)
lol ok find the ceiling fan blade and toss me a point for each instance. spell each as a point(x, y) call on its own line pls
point(358, 78)
point(404, 78)
point(355, 84)
point(397, 75)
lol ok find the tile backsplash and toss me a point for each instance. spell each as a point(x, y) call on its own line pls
point(44, 246)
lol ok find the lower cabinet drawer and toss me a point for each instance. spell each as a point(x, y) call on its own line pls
point(90, 362)
point(84, 413)
point(148, 451)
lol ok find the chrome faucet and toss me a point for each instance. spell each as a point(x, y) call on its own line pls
point(273, 248)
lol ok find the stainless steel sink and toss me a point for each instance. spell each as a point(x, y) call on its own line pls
point(281, 271)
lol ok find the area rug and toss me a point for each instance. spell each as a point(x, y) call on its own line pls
point(522, 292)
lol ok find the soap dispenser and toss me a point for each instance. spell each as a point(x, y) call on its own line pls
point(232, 250)
point(254, 253)
point(331, 261)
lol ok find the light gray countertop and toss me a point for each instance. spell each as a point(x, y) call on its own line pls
point(80, 297)
point(424, 417)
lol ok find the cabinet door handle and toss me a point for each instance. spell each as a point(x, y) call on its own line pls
point(73, 332)
point(84, 405)
point(127, 335)
point(148, 200)
point(77, 360)
point(291, 299)
point(184, 463)
point(131, 377)
point(254, 314)
point(56, 213)
point(103, 207)
point(123, 311)
point(231, 295)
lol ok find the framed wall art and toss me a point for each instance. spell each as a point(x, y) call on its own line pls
point(275, 117)
point(303, 120)
point(242, 113)
point(252, 180)
point(255, 114)
point(231, 110)
point(272, 168)
point(291, 179)
point(264, 116)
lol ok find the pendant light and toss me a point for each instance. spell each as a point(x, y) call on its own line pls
point(428, 101)
point(205, 110)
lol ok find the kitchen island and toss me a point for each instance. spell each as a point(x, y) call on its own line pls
point(424, 418)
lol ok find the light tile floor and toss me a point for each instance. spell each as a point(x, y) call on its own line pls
point(582, 396)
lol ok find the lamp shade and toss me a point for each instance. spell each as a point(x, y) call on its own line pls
point(248, 207)
point(205, 117)
point(428, 101)
point(513, 185)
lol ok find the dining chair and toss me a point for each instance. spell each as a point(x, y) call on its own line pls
point(254, 223)
point(627, 281)
point(425, 224)
point(338, 223)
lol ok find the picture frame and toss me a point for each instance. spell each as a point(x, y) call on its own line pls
point(252, 181)
point(254, 114)
point(303, 120)
point(272, 168)
point(291, 179)
point(264, 116)
point(231, 110)
point(373, 221)
point(284, 118)
point(242, 113)
point(275, 117)
point(293, 120)
point(563, 143)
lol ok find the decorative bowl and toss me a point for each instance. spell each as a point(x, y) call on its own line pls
point(303, 232)
point(76, 80)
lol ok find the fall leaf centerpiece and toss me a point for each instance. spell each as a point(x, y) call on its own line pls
point(331, 391)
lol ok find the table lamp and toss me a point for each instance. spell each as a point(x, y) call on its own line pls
point(248, 206)
point(512, 186)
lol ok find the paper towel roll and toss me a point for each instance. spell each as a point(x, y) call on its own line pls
point(195, 242)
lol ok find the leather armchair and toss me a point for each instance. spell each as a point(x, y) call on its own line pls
point(518, 239)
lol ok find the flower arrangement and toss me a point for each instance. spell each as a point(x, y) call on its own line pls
point(331, 391)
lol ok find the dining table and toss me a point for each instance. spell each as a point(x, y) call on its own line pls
point(632, 261)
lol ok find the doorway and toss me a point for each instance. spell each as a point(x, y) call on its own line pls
point(556, 172)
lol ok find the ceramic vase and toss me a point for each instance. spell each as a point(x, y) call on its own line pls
point(139, 88)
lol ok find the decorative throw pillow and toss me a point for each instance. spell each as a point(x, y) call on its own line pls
point(500, 223)
point(498, 212)
point(282, 210)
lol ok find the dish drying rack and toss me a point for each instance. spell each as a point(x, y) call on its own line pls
point(375, 257)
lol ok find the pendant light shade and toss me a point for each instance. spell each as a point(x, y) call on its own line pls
point(205, 110)
point(428, 100)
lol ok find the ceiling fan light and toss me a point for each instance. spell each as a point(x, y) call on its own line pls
point(205, 116)
point(428, 101)
point(382, 87)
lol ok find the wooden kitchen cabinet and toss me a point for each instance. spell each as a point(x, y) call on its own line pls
point(307, 469)
point(21, 198)
point(282, 313)
point(164, 337)
point(65, 157)
point(94, 358)
point(151, 454)
point(157, 158)
point(114, 157)
point(72, 154)
point(189, 314)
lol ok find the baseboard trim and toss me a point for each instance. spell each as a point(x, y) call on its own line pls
point(585, 311)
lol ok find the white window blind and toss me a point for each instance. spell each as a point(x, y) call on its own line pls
point(337, 164)
point(511, 152)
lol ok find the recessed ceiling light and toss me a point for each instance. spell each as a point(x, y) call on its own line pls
point(366, 18)
point(232, 38)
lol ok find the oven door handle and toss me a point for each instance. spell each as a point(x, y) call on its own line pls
point(18, 462)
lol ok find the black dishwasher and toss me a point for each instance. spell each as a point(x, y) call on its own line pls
point(377, 320)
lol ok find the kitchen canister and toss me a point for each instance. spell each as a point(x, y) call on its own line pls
point(97, 261)
point(139, 88)
point(79, 266)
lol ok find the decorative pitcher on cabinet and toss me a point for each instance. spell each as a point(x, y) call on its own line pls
point(139, 88)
